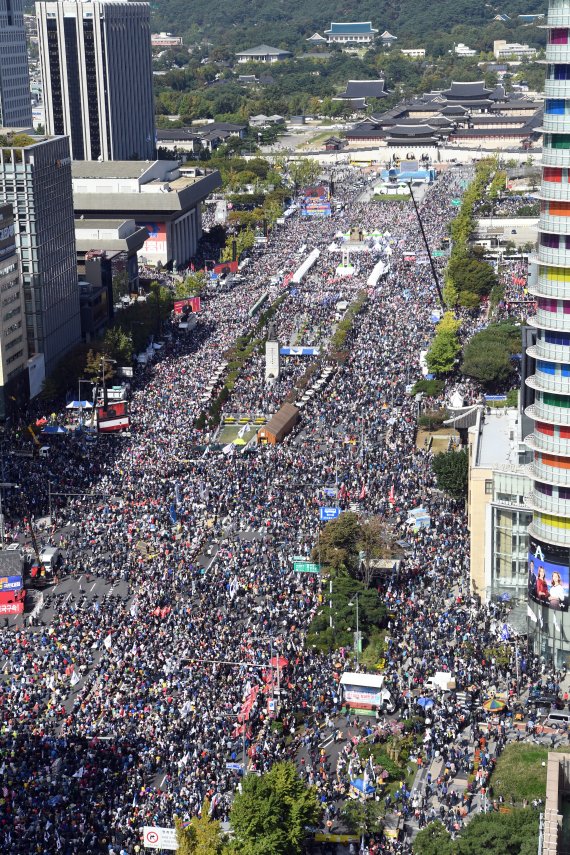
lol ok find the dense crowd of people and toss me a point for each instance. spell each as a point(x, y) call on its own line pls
point(125, 711)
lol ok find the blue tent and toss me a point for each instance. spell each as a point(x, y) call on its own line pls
point(54, 429)
point(362, 790)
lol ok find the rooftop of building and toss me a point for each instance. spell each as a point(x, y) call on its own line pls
point(263, 50)
point(351, 28)
point(20, 137)
point(497, 444)
point(111, 168)
point(364, 89)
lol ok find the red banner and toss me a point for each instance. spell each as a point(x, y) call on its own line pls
point(180, 305)
point(226, 267)
point(11, 608)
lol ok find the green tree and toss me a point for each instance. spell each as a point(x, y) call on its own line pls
point(118, 345)
point(97, 366)
point(271, 814)
point(120, 285)
point(451, 470)
point(442, 354)
point(514, 833)
point(201, 836)
point(191, 286)
point(445, 346)
point(434, 839)
point(363, 817)
point(487, 356)
point(337, 544)
point(303, 172)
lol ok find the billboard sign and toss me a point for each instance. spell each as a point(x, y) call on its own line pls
point(156, 837)
point(548, 575)
point(11, 583)
point(156, 243)
point(306, 567)
point(193, 303)
point(12, 608)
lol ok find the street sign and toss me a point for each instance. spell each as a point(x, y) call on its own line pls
point(439, 253)
point(329, 514)
point(155, 837)
point(330, 491)
point(234, 767)
point(306, 567)
point(456, 203)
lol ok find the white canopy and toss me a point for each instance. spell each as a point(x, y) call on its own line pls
point(302, 271)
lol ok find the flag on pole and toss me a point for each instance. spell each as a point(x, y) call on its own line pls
point(75, 678)
point(391, 497)
point(107, 642)
point(555, 622)
point(531, 614)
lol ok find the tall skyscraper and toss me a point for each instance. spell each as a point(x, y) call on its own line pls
point(15, 100)
point(549, 532)
point(97, 77)
point(14, 384)
point(35, 178)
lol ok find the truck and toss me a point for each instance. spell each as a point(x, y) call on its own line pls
point(441, 681)
point(366, 691)
point(12, 591)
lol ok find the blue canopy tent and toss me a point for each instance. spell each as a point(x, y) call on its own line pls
point(362, 789)
point(53, 430)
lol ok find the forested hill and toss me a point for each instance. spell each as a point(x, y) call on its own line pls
point(244, 23)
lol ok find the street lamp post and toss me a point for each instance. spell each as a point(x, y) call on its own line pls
point(357, 628)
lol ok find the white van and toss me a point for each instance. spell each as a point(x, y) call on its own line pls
point(557, 718)
point(52, 558)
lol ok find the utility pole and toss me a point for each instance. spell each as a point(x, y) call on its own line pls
point(431, 261)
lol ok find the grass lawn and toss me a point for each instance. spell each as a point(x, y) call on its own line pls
point(230, 432)
point(519, 772)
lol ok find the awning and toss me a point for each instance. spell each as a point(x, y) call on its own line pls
point(79, 405)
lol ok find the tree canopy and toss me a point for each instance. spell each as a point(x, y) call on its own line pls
point(452, 470)
point(445, 346)
point(487, 356)
point(271, 814)
point(514, 833)
point(201, 836)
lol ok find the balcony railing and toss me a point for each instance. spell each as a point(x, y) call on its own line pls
point(553, 224)
point(552, 535)
point(548, 383)
point(553, 124)
point(558, 16)
point(548, 504)
point(554, 190)
point(546, 413)
point(547, 288)
point(557, 257)
point(548, 474)
point(552, 352)
point(550, 320)
point(557, 88)
point(557, 53)
point(549, 444)
point(556, 156)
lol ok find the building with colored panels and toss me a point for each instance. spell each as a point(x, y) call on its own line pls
point(549, 498)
